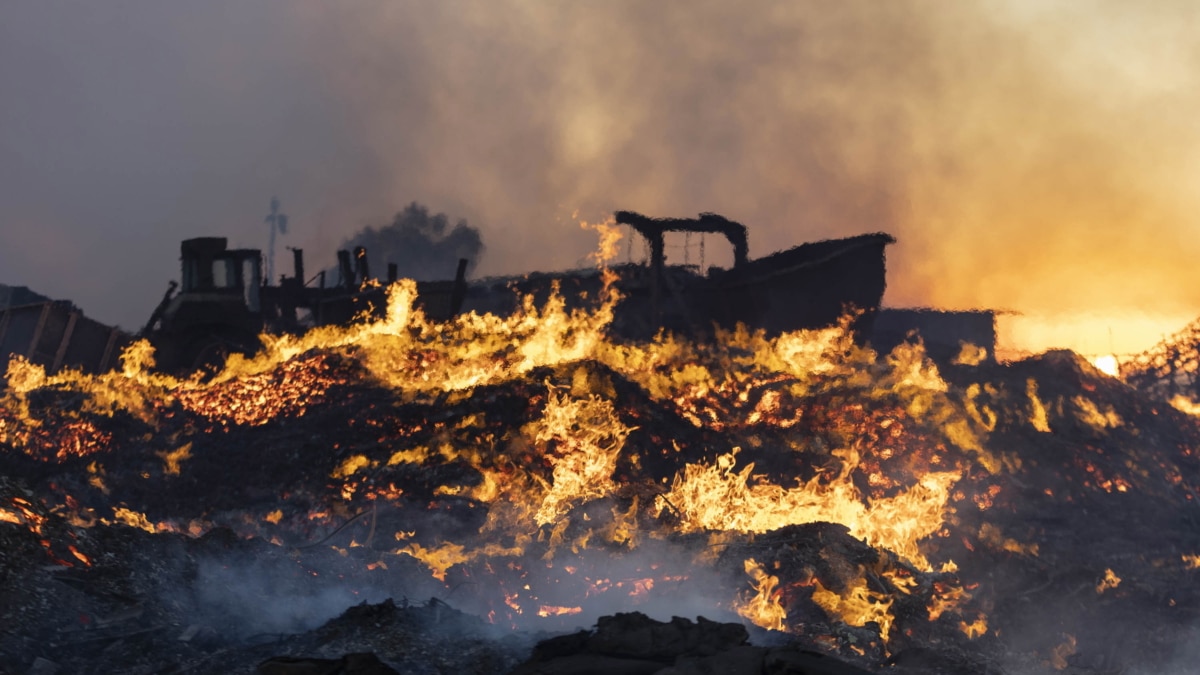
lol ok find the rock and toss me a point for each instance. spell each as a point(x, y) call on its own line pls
point(792, 661)
point(350, 664)
point(590, 664)
point(633, 644)
point(43, 667)
point(744, 660)
point(636, 635)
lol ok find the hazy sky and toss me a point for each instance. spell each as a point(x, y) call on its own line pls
point(1035, 156)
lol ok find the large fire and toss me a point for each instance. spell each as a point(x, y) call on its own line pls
point(624, 471)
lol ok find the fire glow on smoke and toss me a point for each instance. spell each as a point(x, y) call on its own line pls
point(806, 427)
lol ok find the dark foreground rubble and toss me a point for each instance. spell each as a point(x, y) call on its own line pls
point(169, 603)
point(638, 645)
point(133, 611)
point(146, 604)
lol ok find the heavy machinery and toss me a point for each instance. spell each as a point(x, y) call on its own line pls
point(223, 303)
point(808, 286)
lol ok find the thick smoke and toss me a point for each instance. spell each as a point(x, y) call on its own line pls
point(1031, 156)
point(422, 246)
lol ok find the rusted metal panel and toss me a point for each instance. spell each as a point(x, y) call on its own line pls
point(108, 360)
point(4, 321)
point(57, 335)
point(39, 327)
point(65, 341)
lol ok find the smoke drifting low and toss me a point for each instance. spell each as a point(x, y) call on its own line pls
point(246, 595)
point(251, 597)
point(1031, 156)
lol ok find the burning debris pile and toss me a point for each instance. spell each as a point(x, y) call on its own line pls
point(1170, 369)
point(532, 475)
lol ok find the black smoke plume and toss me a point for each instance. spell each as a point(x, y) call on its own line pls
point(424, 247)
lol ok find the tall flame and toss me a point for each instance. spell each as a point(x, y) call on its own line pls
point(718, 497)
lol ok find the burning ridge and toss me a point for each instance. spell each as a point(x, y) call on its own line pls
point(536, 474)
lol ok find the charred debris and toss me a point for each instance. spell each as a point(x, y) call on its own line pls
point(223, 302)
point(542, 493)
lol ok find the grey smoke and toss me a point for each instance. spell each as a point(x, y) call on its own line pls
point(1028, 154)
point(245, 597)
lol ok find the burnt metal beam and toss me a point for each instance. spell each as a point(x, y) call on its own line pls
point(654, 229)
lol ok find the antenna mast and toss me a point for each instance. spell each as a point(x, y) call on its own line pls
point(278, 222)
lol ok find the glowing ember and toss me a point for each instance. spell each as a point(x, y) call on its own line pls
point(133, 519)
point(975, 629)
point(1185, 404)
point(1110, 581)
point(173, 458)
point(81, 557)
point(1058, 657)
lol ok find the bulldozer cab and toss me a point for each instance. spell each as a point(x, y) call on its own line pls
point(218, 310)
point(223, 304)
point(210, 267)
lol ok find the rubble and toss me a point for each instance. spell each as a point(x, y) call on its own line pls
point(634, 643)
point(521, 494)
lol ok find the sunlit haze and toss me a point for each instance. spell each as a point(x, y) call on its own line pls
point(1039, 158)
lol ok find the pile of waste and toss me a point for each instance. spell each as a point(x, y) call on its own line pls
point(526, 494)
